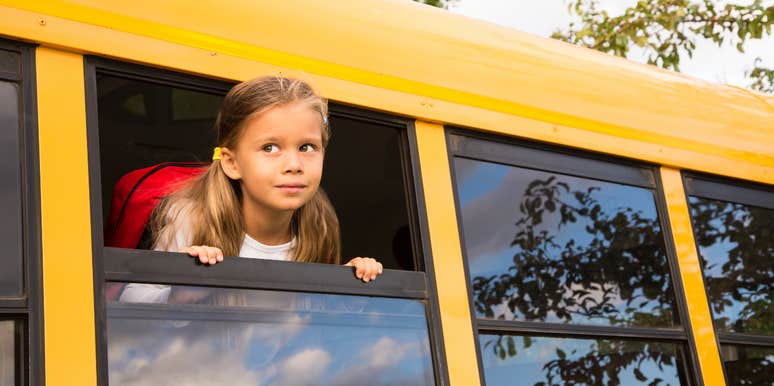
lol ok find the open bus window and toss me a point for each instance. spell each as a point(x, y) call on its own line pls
point(254, 337)
point(256, 321)
point(145, 122)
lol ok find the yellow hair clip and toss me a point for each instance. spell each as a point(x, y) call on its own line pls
point(216, 154)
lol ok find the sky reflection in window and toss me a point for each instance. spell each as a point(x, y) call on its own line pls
point(539, 361)
point(250, 337)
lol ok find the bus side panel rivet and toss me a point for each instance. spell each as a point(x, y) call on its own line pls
point(42, 22)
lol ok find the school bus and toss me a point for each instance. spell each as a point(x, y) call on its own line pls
point(548, 214)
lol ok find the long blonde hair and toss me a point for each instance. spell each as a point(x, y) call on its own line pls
point(212, 203)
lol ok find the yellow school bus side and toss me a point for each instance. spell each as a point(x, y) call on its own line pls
point(447, 256)
point(691, 276)
point(400, 57)
point(442, 67)
point(68, 293)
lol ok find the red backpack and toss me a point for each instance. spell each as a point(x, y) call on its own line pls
point(136, 195)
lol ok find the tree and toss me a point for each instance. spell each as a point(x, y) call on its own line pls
point(437, 3)
point(667, 30)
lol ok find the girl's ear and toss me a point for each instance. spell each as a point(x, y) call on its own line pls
point(229, 164)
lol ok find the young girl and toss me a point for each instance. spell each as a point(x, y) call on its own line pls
point(260, 197)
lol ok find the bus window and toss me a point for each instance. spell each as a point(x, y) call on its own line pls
point(21, 345)
point(254, 337)
point(257, 321)
point(748, 364)
point(565, 255)
point(11, 275)
point(144, 121)
point(562, 361)
point(7, 353)
point(733, 228)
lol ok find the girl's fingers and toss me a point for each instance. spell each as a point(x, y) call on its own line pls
point(206, 255)
point(366, 269)
point(377, 270)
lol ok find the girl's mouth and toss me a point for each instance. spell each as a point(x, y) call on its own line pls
point(291, 188)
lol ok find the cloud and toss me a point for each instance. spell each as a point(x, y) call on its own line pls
point(304, 368)
point(162, 352)
point(378, 365)
point(201, 362)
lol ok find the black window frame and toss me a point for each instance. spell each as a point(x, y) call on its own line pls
point(26, 311)
point(727, 189)
point(143, 266)
point(486, 147)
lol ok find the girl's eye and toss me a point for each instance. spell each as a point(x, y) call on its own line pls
point(270, 148)
point(307, 147)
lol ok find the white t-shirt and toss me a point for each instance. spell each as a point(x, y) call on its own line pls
point(159, 293)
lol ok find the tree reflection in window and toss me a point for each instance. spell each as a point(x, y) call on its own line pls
point(736, 244)
point(581, 250)
point(547, 361)
point(546, 247)
point(748, 365)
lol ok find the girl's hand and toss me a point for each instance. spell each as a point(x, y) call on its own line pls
point(366, 268)
point(207, 255)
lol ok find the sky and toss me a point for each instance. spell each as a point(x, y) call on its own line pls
point(715, 64)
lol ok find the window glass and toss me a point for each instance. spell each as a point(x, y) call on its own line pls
point(736, 244)
point(10, 62)
point(747, 365)
point(250, 337)
point(7, 353)
point(548, 247)
point(10, 193)
point(541, 361)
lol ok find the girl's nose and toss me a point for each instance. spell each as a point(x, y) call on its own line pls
point(293, 163)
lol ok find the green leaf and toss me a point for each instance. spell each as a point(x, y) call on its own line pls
point(527, 341)
point(561, 354)
point(511, 346)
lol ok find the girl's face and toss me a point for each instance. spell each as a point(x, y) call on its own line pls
point(278, 158)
